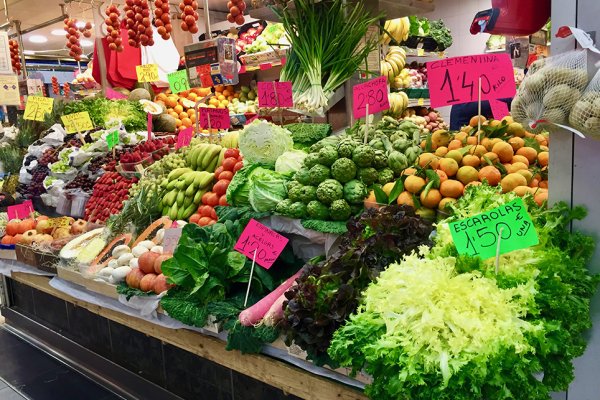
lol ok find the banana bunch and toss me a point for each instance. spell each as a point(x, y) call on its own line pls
point(398, 103)
point(205, 157)
point(185, 188)
point(230, 140)
point(394, 63)
point(398, 30)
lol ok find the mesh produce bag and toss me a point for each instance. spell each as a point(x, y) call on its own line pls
point(585, 115)
point(550, 90)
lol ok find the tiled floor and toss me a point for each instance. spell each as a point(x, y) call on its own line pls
point(37, 376)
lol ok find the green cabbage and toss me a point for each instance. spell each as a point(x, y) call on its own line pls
point(267, 189)
point(263, 142)
point(290, 162)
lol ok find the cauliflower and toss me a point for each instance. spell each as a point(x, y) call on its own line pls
point(380, 160)
point(317, 210)
point(311, 160)
point(363, 155)
point(355, 192)
point(346, 147)
point(318, 174)
point(297, 210)
point(303, 176)
point(283, 207)
point(329, 191)
point(343, 170)
point(368, 175)
point(307, 193)
point(386, 175)
point(339, 210)
point(328, 155)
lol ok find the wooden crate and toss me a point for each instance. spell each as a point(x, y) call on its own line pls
point(96, 286)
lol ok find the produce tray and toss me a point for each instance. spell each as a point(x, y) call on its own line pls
point(46, 262)
point(272, 56)
point(96, 286)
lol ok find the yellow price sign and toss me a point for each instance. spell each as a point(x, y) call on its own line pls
point(420, 52)
point(147, 73)
point(37, 107)
point(77, 122)
point(421, 102)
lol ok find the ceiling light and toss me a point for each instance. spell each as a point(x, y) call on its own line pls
point(58, 32)
point(38, 39)
point(80, 24)
point(86, 43)
point(29, 52)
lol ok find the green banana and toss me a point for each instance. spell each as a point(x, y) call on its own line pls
point(221, 156)
point(180, 185)
point(165, 210)
point(199, 178)
point(188, 178)
point(206, 180)
point(213, 165)
point(187, 212)
point(171, 185)
point(180, 198)
point(201, 154)
point(189, 192)
point(198, 196)
point(176, 173)
point(164, 183)
point(173, 212)
point(212, 153)
point(169, 199)
point(187, 201)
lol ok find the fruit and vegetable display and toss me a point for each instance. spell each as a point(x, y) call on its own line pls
point(273, 36)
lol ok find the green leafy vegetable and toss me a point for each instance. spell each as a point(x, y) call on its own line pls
point(263, 142)
point(290, 162)
point(101, 111)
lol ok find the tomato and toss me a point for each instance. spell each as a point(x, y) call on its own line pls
point(235, 153)
point(228, 175)
point(205, 211)
point(195, 218)
point(220, 187)
point(229, 163)
point(212, 199)
point(205, 197)
point(212, 222)
point(223, 200)
point(204, 221)
point(218, 172)
point(213, 214)
point(239, 165)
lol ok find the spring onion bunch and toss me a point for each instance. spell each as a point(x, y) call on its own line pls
point(328, 47)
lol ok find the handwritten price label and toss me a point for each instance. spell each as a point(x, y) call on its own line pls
point(456, 80)
point(37, 107)
point(112, 139)
point(219, 118)
point(171, 239)
point(20, 211)
point(184, 138)
point(373, 93)
point(275, 94)
point(147, 72)
point(77, 122)
point(267, 243)
point(478, 235)
point(178, 81)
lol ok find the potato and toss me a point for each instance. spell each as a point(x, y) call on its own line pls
point(596, 107)
point(592, 125)
point(559, 75)
point(536, 82)
point(537, 65)
point(534, 110)
point(557, 96)
point(555, 115)
point(581, 111)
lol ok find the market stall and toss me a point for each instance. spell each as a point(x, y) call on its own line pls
point(285, 196)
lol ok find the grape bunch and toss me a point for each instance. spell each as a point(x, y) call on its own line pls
point(137, 14)
point(14, 56)
point(81, 181)
point(36, 186)
point(162, 19)
point(49, 156)
point(113, 27)
point(189, 16)
point(73, 36)
point(236, 11)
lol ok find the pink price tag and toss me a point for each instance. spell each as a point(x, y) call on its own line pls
point(456, 80)
point(267, 243)
point(499, 109)
point(20, 211)
point(275, 94)
point(184, 138)
point(149, 126)
point(219, 118)
point(373, 93)
point(114, 95)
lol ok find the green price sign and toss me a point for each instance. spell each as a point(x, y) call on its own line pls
point(478, 235)
point(178, 81)
point(112, 139)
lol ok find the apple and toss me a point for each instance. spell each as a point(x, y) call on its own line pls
point(158, 262)
point(78, 227)
point(134, 277)
point(147, 282)
point(161, 285)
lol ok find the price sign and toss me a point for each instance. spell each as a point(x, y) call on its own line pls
point(171, 239)
point(147, 72)
point(184, 138)
point(114, 95)
point(178, 81)
point(456, 80)
point(37, 107)
point(219, 118)
point(20, 211)
point(373, 93)
point(9, 90)
point(478, 235)
point(267, 243)
point(275, 94)
point(112, 139)
point(499, 109)
point(77, 122)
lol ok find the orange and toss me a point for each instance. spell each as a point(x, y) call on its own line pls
point(409, 171)
point(452, 188)
point(529, 153)
point(192, 96)
point(221, 97)
point(543, 158)
point(517, 166)
point(387, 188)
point(460, 136)
point(406, 198)
point(534, 183)
point(171, 101)
point(441, 151)
point(494, 123)
point(522, 190)
point(455, 155)
point(442, 175)
point(527, 174)
point(487, 143)
point(474, 183)
point(467, 174)
point(219, 88)
point(183, 115)
point(449, 166)
point(178, 108)
point(541, 139)
point(541, 197)
point(511, 181)
point(504, 150)
point(428, 160)
point(544, 184)
point(471, 160)
point(454, 144)
point(371, 201)
point(446, 201)
point(476, 120)
point(178, 122)
point(186, 122)
point(490, 174)
point(213, 101)
point(191, 112)
point(431, 199)
point(472, 140)
point(517, 158)
point(414, 184)
point(174, 114)
point(478, 150)
point(493, 157)
point(516, 143)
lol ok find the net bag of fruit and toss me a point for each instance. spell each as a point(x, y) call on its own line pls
point(550, 90)
point(585, 115)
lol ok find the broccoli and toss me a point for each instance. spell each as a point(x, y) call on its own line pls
point(318, 174)
point(330, 190)
point(328, 155)
point(283, 207)
point(363, 155)
point(311, 160)
point(440, 34)
point(355, 192)
point(343, 170)
point(307, 193)
point(346, 147)
point(303, 176)
point(339, 210)
point(380, 160)
point(297, 210)
point(386, 175)
point(308, 133)
point(317, 210)
point(368, 175)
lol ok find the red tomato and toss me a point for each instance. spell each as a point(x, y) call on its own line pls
point(223, 200)
point(229, 163)
point(235, 153)
point(239, 165)
point(212, 199)
point(228, 175)
point(220, 187)
point(218, 172)
point(195, 218)
point(204, 221)
point(205, 211)
point(213, 214)
point(205, 197)
point(211, 222)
